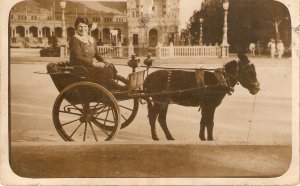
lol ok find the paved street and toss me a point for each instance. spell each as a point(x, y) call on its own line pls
point(33, 95)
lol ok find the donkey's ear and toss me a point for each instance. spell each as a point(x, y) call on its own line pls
point(243, 58)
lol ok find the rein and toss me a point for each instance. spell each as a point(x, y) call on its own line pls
point(172, 68)
point(250, 121)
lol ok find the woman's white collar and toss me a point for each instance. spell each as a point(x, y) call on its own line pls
point(85, 39)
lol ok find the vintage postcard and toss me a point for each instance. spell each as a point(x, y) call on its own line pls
point(150, 92)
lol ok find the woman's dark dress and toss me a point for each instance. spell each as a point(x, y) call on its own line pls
point(82, 53)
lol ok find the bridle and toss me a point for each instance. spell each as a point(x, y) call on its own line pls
point(238, 78)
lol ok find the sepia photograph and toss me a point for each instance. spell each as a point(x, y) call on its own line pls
point(150, 92)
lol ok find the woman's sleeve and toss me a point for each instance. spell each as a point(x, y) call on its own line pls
point(77, 54)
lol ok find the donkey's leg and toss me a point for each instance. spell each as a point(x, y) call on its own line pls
point(210, 128)
point(210, 124)
point(202, 130)
point(162, 119)
point(207, 119)
point(152, 116)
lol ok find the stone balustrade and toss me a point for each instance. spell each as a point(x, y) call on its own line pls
point(113, 51)
point(188, 51)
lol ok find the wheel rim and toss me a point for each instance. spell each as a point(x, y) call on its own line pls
point(83, 112)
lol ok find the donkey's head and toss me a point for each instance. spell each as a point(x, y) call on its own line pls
point(247, 74)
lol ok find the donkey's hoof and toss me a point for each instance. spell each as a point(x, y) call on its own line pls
point(203, 139)
point(170, 138)
point(155, 138)
point(210, 139)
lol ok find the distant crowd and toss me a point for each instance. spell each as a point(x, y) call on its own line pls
point(274, 49)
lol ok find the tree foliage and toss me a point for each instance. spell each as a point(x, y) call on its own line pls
point(248, 21)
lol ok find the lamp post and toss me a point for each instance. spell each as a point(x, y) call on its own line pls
point(225, 45)
point(63, 48)
point(200, 35)
point(192, 33)
point(63, 6)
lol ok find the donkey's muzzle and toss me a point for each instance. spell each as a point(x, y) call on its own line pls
point(254, 88)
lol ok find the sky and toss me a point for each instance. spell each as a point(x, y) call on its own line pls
point(187, 8)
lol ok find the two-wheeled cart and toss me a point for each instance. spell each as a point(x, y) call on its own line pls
point(84, 110)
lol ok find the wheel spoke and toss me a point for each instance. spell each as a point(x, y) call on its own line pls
point(84, 134)
point(126, 107)
point(98, 113)
point(62, 111)
point(95, 136)
point(95, 107)
point(100, 126)
point(75, 107)
point(103, 111)
point(81, 101)
point(105, 120)
point(114, 115)
point(70, 122)
point(123, 117)
point(76, 129)
point(105, 117)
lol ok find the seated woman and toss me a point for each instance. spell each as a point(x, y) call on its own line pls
point(83, 52)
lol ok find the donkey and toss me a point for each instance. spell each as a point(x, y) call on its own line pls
point(207, 97)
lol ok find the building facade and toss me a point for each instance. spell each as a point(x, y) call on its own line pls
point(153, 21)
point(142, 23)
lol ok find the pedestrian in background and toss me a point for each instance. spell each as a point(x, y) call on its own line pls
point(280, 48)
point(252, 49)
point(272, 48)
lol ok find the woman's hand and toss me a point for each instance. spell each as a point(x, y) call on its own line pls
point(99, 64)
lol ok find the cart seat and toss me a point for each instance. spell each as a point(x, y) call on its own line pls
point(62, 74)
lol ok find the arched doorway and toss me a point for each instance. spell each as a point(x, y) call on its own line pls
point(171, 37)
point(33, 31)
point(153, 38)
point(106, 35)
point(70, 32)
point(58, 32)
point(119, 34)
point(45, 32)
point(20, 31)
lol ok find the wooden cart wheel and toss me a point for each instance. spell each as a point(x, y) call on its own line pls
point(128, 107)
point(83, 111)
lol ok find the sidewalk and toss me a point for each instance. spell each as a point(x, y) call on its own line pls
point(148, 160)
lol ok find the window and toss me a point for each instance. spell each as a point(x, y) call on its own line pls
point(135, 39)
point(107, 19)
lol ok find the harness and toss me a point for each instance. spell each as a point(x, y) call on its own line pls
point(220, 75)
point(168, 80)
